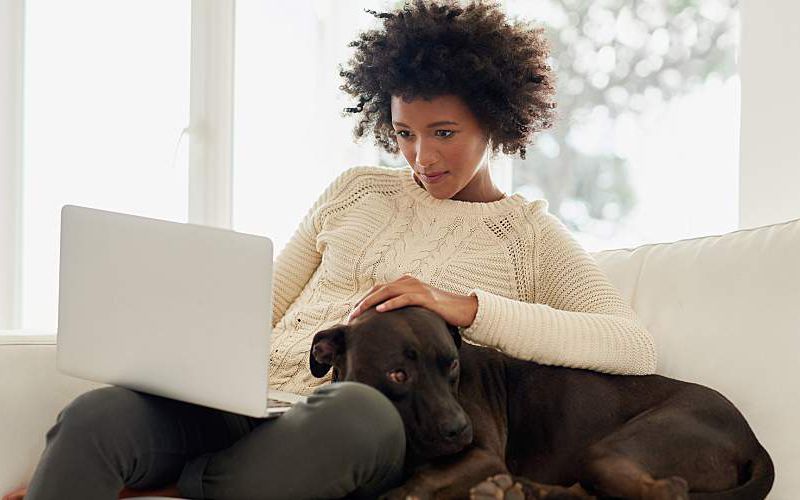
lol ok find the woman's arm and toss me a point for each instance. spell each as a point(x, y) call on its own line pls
point(578, 319)
point(298, 260)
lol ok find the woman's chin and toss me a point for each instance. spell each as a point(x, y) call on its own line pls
point(439, 192)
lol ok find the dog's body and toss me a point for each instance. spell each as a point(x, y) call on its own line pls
point(550, 423)
point(549, 427)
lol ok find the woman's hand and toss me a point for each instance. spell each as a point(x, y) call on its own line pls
point(456, 309)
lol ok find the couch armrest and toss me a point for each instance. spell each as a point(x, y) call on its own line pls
point(32, 392)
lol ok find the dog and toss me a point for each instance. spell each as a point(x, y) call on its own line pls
point(481, 424)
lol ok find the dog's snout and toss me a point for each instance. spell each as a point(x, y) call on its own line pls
point(454, 432)
point(455, 428)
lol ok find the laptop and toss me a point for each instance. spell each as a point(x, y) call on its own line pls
point(174, 309)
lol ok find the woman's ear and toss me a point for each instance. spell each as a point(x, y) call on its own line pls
point(326, 347)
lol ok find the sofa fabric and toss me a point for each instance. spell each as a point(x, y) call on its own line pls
point(724, 312)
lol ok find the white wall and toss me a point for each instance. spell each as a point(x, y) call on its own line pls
point(770, 133)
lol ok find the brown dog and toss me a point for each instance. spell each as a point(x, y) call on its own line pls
point(474, 417)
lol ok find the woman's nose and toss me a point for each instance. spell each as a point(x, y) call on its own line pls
point(425, 155)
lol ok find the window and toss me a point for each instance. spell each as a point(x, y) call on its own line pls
point(104, 106)
point(290, 140)
point(646, 145)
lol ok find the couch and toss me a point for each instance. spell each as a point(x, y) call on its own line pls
point(724, 311)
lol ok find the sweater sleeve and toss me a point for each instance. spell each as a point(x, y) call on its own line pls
point(577, 320)
point(299, 258)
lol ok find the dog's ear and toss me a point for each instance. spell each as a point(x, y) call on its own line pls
point(454, 332)
point(326, 346)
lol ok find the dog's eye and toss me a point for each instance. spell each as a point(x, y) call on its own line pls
point(398, 376)
point(453, 365)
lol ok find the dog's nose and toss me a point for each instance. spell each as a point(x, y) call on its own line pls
point(453, 429)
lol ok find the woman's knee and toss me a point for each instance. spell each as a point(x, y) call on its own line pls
point(106, 409)
point(366, 416)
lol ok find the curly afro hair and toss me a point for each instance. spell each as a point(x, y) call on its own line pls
point(430, 48)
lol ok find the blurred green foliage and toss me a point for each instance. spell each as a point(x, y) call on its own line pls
point(616, 59)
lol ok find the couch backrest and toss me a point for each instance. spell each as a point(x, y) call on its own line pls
point(725, 312)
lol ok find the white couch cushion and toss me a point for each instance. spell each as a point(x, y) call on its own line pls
point(32, 392)
point(725, 312)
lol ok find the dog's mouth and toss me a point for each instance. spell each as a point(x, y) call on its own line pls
point(434, 448)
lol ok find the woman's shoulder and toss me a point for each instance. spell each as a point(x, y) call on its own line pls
point(370, 174)
point(536, 210)
point(358, 183)
point(538, 215)
point(375, 172)
point(362, 179)
point(539, 206)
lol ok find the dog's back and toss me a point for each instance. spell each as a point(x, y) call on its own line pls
point(548, 416)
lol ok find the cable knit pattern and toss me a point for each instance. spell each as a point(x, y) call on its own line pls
point(540, 295)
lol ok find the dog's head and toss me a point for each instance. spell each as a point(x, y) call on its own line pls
point(411, 356)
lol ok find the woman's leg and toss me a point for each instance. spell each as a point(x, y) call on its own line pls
point(346, 439)
point(113, 437)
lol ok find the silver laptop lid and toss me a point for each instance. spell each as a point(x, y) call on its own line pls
point(179, 310)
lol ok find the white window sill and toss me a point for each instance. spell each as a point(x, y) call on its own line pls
point(26, 337)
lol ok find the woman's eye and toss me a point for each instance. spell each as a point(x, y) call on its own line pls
point(398, 376)
point(451, 133)
point(453, 372)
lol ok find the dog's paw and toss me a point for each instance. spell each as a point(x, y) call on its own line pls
point(671, 488)
point(500, 486)
point(506, 487)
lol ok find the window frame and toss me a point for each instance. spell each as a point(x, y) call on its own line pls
point(210, 131)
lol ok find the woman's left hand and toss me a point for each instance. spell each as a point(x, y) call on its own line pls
point(456, 309)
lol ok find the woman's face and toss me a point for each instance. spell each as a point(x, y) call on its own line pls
point(442, 136)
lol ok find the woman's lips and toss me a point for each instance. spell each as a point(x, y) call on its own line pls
point(433, 178)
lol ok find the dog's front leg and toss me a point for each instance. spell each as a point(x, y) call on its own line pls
point(450, 477)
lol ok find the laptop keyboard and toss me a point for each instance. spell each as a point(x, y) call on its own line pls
point(276, 403)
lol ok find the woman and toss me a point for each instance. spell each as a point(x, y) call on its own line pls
point(446, 85)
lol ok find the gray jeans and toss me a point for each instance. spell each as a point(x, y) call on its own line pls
point(346, 440)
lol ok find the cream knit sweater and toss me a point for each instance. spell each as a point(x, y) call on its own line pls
point(541, 296)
